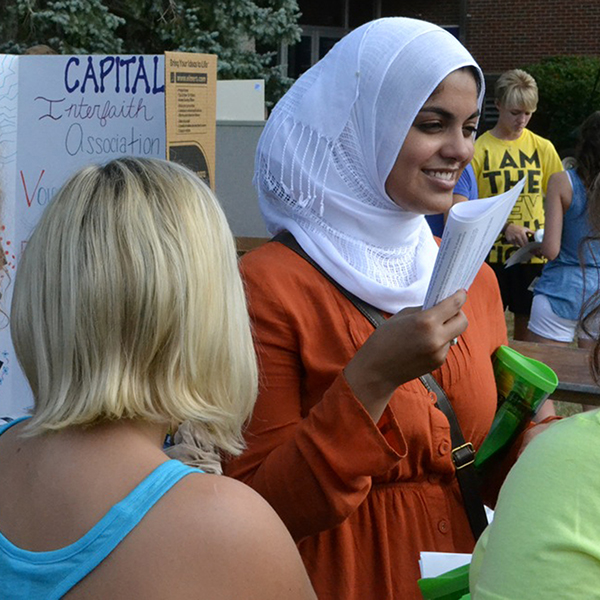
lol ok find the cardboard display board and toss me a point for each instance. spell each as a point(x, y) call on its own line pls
point(57, 114)
point(190, 106)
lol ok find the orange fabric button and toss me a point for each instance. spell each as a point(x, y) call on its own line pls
point(432, 397)
point(443, 526)
point(444, 448)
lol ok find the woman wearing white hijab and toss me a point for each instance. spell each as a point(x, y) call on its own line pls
point(345, 443)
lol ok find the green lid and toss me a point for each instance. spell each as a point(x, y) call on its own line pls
point(452, 585)
point(535, 372)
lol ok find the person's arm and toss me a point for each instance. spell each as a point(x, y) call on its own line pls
point(558, 200)
point(313, 447)
point(516, 234)
point(230, 544)
point(311, 458)
point(408, 345)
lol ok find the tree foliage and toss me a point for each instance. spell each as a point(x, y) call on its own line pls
point(245, 34)
point(569, 88)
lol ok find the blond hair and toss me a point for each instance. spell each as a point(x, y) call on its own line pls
point(128, 304)
point(517, 89)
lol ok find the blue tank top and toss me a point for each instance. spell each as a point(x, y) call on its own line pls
point(563, 281)
point(47, 575)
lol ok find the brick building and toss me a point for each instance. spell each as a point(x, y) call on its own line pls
point(500, 35)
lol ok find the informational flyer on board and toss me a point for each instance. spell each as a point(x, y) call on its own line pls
point(191, 109)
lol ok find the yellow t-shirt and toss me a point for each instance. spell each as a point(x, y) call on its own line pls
point(500, 164)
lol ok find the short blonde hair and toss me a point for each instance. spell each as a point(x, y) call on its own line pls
point(128, 304)
point(517, 89)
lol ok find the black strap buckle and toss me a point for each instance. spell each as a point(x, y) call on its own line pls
point(463, 456)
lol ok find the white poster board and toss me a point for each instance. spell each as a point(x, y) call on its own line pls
point(57, 114)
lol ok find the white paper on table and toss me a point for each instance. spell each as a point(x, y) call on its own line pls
point(469, 234)
point(522, 254)
point(433, 564)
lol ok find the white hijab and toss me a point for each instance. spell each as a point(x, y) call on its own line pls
point(330, 144)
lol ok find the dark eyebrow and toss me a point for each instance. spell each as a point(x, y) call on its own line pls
point(444, 113)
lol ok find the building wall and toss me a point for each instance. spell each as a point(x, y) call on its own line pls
point(512, 33)
point(501, 34)
point(446, 12)
point(236, 148)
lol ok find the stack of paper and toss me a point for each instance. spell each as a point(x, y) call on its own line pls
point(470, 232)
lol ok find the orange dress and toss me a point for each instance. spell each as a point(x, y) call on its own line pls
point(361, 499)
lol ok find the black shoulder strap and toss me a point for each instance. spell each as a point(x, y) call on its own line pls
point(463, 454)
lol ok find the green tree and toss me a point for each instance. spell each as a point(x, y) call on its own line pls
point(245, 34)
point(569, 88)
point(67, 26)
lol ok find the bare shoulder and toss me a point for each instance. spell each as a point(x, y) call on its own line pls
point(224, 499)
point(233, 541)
point(560, 181)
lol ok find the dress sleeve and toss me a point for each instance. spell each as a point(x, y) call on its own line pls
point(311, 459)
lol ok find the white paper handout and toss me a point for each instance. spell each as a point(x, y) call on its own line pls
point(470, 232)
point(522, 254)
point(433, 564)
point(527, 251)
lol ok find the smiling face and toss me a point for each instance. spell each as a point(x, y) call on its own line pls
point(439, 145)
point(511, 121)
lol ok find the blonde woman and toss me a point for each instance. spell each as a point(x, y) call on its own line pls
point(128, 315)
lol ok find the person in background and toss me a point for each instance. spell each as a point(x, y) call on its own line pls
point(129, 316)
point(466, 188)
point(436, 223)
point(39, 49)
point(564, 288)
point(503, 156)
point(346, 443)
point(544, 541)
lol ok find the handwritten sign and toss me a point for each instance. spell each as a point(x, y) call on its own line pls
point(57, 114)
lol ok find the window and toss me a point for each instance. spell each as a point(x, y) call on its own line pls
point(324, 22)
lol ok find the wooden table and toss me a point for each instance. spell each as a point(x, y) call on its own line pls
point(575, 383)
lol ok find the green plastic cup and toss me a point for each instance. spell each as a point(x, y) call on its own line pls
point(452, 585)
point(523, 385)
